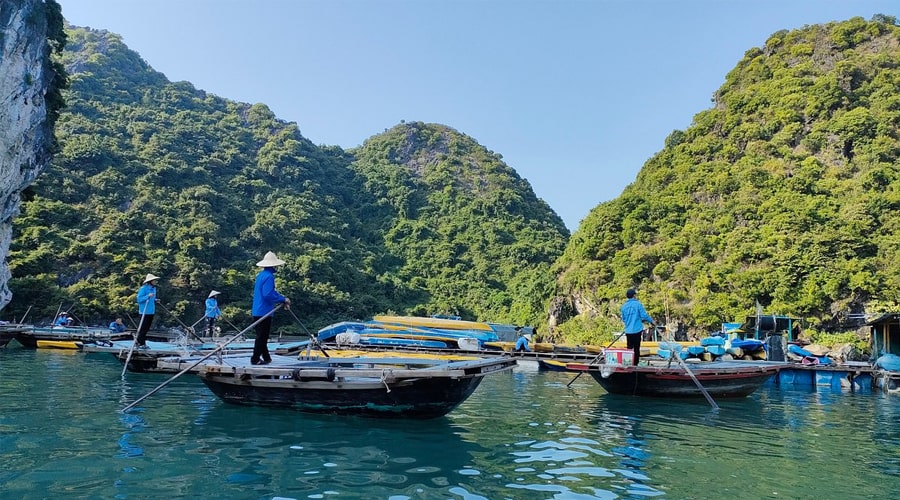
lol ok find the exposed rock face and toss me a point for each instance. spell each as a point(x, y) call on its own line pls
point(29, 102)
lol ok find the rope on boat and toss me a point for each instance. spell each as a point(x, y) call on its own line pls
point(384, 380)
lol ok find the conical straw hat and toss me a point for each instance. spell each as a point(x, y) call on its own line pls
point(270, 260)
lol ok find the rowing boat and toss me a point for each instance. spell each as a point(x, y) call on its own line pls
point(373, 386)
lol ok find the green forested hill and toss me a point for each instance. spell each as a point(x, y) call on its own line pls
point(156, 176)
point(785, 192)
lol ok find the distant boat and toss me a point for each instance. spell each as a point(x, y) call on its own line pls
point(721, 379)
point(395, 386)
point(30, 335)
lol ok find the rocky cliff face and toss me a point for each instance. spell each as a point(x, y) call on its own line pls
point(29, 101)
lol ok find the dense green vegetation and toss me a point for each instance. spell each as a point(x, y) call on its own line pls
point(785, 192)
point(159, 177)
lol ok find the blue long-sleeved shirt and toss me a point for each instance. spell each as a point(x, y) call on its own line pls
point(146, 299)
point(633, 315)
point(265, 297)
point(212, 308)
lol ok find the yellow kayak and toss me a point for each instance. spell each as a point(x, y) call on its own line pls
point(58, 344)
point(449, 324)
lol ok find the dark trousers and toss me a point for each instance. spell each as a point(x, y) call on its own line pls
point(260, 346)
point(633, 341)
point(143, 328)
point(210, 327)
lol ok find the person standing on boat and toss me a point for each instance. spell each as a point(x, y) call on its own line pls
point(212, 313)
point(265, 298)
point(117, 326)
point(62, 319)
point(146, 299)
point(634, 315)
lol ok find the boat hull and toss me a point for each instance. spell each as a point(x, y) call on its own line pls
point(422, 399)
point(372, 386)
point(674, 382)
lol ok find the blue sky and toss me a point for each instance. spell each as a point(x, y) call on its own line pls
point(576, 95)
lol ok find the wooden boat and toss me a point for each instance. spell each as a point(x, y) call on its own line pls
point(374, 386)
point(721, 379)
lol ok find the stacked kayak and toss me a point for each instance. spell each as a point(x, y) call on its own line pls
point(411, 331)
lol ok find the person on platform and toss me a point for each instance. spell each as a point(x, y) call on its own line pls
point(522, 341)
point(212, 313)
point(146, 300)
point(62, 319)
point(634, 315)
point(265, 299)
point(117, 326)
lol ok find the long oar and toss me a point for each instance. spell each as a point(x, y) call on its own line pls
point(230, 323)
point(133, 342)
point(312, 338)
point(187, 329)
point(204, 358)
point(52, 324)
point(22, 321)
point(597, 357)
point(690, 373)
point(198, 321)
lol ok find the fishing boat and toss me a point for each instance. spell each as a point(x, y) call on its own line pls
point(721, 379)
point(374, 386)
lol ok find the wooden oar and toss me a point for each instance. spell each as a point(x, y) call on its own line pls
point(312, 338)
point(187, 329)
point(22, 321)
point(597, 357)
point(690, 373)
point(133, 342)
point(204, 358)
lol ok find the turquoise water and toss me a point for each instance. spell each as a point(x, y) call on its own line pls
point(521, 435)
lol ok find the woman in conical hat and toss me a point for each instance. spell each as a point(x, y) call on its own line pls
point(146, 299)
point(212, 312)
point(265, 298)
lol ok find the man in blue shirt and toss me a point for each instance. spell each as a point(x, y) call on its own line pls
point(117, 326)
point(634, 315)
point(265, 298)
